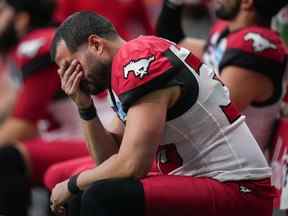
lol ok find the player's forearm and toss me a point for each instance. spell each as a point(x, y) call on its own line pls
point(115, 167)
point(13, 131)
point(108, 169)
point(133, 160)
point(100, 142)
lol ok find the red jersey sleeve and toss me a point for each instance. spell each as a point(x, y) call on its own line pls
point(145, 65)
point(138, 66)
point(40, 80)
point(259, 50)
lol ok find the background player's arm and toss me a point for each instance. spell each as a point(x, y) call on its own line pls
point(14, 130)
point(169, 26)
point(196, 46)
point(31, 102)
point(8, 91)
point(246, 86)
point(143, 133)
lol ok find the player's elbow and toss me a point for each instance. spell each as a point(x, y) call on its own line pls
point(136, 169)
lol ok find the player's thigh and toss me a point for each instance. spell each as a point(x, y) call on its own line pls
point(175, 195)
point(186, 196)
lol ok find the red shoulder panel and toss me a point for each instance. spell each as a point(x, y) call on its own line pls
point(35, 44)
point(258, 41)
point(138, 62)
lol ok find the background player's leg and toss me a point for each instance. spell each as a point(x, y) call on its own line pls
point(42, 154)
point(61, 171)
point(14, 183)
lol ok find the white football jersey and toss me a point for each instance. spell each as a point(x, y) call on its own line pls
point(205, 136)
point(209, 143)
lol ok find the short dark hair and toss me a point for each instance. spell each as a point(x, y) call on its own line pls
point(40, 11)
point(76, 29)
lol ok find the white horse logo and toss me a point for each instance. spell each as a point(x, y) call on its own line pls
point(259, 42)
point(138, 67)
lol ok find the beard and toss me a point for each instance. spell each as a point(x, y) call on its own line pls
point(8, 38)
point(97, 80)
point(228, 13)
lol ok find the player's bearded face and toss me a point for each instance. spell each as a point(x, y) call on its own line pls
point(227, 9)
point(96, 78)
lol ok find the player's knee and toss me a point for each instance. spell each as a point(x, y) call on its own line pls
point(53, 176)
point(98, 193)
point(92, 200)
point(114, 196)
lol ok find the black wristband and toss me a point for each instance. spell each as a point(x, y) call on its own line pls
point(72, 185)
point(88, 113)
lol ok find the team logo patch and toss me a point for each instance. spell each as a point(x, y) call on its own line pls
point(259, 42)
point(31, 48)
point(139, 67)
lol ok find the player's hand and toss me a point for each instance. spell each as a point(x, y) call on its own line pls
point(71, 75)
point(60, 195)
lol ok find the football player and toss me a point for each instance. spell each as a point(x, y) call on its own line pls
point(172, 109)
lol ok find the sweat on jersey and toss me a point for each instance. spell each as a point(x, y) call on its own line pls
point(205, 135)
point(259, 50)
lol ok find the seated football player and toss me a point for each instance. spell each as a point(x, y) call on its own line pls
point(171, 108)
